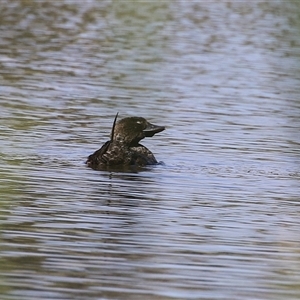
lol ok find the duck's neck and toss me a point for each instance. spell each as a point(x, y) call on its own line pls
point(123, 142)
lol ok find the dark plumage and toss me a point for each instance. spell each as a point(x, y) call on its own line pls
point(124, 149)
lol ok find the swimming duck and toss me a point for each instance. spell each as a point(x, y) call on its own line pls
point(123, 148)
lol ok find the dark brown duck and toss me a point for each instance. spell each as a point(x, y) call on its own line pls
point(124, 149)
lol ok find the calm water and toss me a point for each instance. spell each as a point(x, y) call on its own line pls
point(220, 220)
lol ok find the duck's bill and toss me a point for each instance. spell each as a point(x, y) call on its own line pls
point(152, 129)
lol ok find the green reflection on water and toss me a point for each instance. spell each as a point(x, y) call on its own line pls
point(11, 192)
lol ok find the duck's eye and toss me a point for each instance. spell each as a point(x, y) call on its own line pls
point(138, 122)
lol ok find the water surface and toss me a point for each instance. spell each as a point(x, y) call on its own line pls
point(220, 218)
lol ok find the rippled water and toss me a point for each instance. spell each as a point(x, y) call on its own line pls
point(220, 220)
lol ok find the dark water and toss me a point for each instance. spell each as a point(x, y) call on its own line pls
point(220, 220)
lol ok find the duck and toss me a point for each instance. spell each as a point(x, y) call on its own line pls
point(123, 149)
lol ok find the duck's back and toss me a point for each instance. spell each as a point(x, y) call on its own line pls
point(117, 154)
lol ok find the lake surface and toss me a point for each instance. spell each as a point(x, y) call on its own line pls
point(220, 219)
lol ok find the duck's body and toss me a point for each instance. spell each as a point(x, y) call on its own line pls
point(124, 149)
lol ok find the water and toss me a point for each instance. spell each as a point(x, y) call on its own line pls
point(220, 220)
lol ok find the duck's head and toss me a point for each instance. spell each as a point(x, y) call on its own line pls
point(133, 129)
